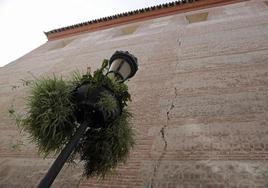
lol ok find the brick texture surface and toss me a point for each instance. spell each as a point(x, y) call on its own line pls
point(200, 101)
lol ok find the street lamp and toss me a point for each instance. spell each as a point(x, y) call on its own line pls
point(122, 66)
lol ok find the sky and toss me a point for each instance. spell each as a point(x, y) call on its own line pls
point(23, 23)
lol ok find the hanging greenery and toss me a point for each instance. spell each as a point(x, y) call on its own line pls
point(103, 149)
point(49, 120)
point(54, 115)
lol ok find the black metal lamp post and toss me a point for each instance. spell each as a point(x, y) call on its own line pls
point(122, 66)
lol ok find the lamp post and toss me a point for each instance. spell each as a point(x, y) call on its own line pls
point(122, 66)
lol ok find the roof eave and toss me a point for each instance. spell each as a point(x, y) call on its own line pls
point(135, 16)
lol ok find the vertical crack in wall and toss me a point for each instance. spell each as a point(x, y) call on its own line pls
point(164, 139)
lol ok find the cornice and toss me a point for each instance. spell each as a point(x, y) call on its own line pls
point(136, 16)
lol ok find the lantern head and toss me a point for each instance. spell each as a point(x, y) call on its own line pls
point(122, 65)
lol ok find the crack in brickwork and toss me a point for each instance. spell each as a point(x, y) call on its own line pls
point(163, 137)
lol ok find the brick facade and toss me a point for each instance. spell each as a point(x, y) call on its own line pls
point(200, 100)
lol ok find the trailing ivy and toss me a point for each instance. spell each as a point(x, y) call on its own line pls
point(51, 120)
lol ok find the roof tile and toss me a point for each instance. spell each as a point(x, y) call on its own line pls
point(125, 14)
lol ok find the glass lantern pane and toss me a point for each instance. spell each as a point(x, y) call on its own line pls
point(121, 66)
point(116, 65)
point(125, 70)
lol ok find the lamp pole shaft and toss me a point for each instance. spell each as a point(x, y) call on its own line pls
point(63, 156)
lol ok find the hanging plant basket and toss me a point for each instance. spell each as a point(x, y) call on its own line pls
point(99, 105)
point(57, 107)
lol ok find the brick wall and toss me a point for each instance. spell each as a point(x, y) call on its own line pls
point(200, 101)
